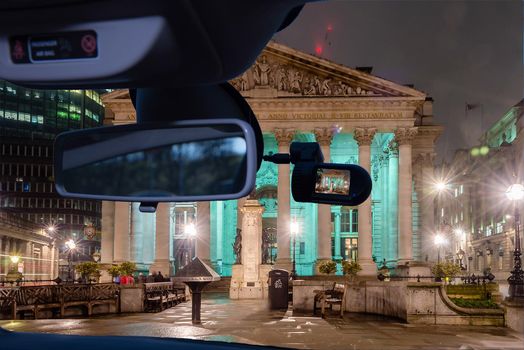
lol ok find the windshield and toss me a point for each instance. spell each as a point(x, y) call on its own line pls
point(427, 96)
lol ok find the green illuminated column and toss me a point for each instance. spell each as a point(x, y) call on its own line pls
point(404, 136)
point(283, 137)
point(337, 233)
point(392, 232)
point(364, 137)
point(136, 234)
point(324, 137)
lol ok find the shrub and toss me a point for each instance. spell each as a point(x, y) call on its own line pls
point(127, 268)
point(88, 270)
point(114, 271)
point(445, 270)
point(327, 267)
point(351, 268)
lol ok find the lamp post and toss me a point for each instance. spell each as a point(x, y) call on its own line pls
point(515, 193)
point(439, 240)
point(71, 246)
point(294, 233)
point(191, 233)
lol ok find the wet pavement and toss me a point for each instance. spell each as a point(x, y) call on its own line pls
point(249, 321)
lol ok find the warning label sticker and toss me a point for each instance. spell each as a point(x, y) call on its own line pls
point(54, 47)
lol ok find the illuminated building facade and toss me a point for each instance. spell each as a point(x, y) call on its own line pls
point(29, 121)
point(472, 211)
point(357, 118)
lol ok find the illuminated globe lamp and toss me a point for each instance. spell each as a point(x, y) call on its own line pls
point(484, 150)
point(515, 193)
point(475, 151)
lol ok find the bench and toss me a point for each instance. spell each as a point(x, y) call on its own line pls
point(161, 295)
point(57, 298)
point(330, 297)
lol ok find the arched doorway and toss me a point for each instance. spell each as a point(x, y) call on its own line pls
point(267, 196)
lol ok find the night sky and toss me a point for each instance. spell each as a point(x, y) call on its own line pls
point(456, 51)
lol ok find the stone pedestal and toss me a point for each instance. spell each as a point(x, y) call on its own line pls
point(514, 312)
point(249, 280)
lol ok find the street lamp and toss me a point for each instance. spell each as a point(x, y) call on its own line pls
point(191, 232)
point(441, 186)
point(294, 233)
point(71, 246)
point(515, 193)
point(439, 240)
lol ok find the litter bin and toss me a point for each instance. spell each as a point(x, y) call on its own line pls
point(278, 289)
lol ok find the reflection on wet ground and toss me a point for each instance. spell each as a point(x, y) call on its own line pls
point(250, 321)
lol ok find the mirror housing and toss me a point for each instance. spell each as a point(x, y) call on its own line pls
point(190, 160)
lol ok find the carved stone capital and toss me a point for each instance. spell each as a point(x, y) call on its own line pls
point(404, 136)
point(364, 136)
point(323, 136)
point(284, 136)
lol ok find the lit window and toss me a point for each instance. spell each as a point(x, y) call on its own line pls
point(461, 189)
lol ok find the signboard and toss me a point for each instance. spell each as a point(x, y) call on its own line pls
point(54, 47)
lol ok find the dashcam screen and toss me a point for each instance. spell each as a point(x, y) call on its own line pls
point(332, 181)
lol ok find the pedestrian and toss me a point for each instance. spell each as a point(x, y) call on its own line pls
point(150, 278)
point(159, 277)
point(141, 278)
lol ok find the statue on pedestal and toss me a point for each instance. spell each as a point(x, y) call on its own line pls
point(237, 246)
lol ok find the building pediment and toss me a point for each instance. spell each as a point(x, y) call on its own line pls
point(281, 71)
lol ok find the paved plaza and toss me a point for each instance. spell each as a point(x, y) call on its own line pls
point(251, 322)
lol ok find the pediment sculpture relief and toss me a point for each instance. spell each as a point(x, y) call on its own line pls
point(268, 72)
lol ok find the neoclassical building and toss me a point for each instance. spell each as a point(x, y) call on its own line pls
point(357, 118)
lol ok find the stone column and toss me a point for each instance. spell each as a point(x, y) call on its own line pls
point(324, 137)
point(53, 261)
point(163, 241)
point(2, 272)
point(7, 247)
point(121, 241)
point(148, 251)
point(108, 232)
point(136, 237)
point(284, 137)
point(392, 230)
point(251, 239)
point(29, 262)
point(203, 232)
point(364, 138)
point(45, 263)
point(337, 213)
point(404, 136)
point(426, 204)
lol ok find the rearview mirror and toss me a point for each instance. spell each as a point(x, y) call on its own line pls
point(188, 160)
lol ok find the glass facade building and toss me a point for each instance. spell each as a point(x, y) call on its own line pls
point(29, 121)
